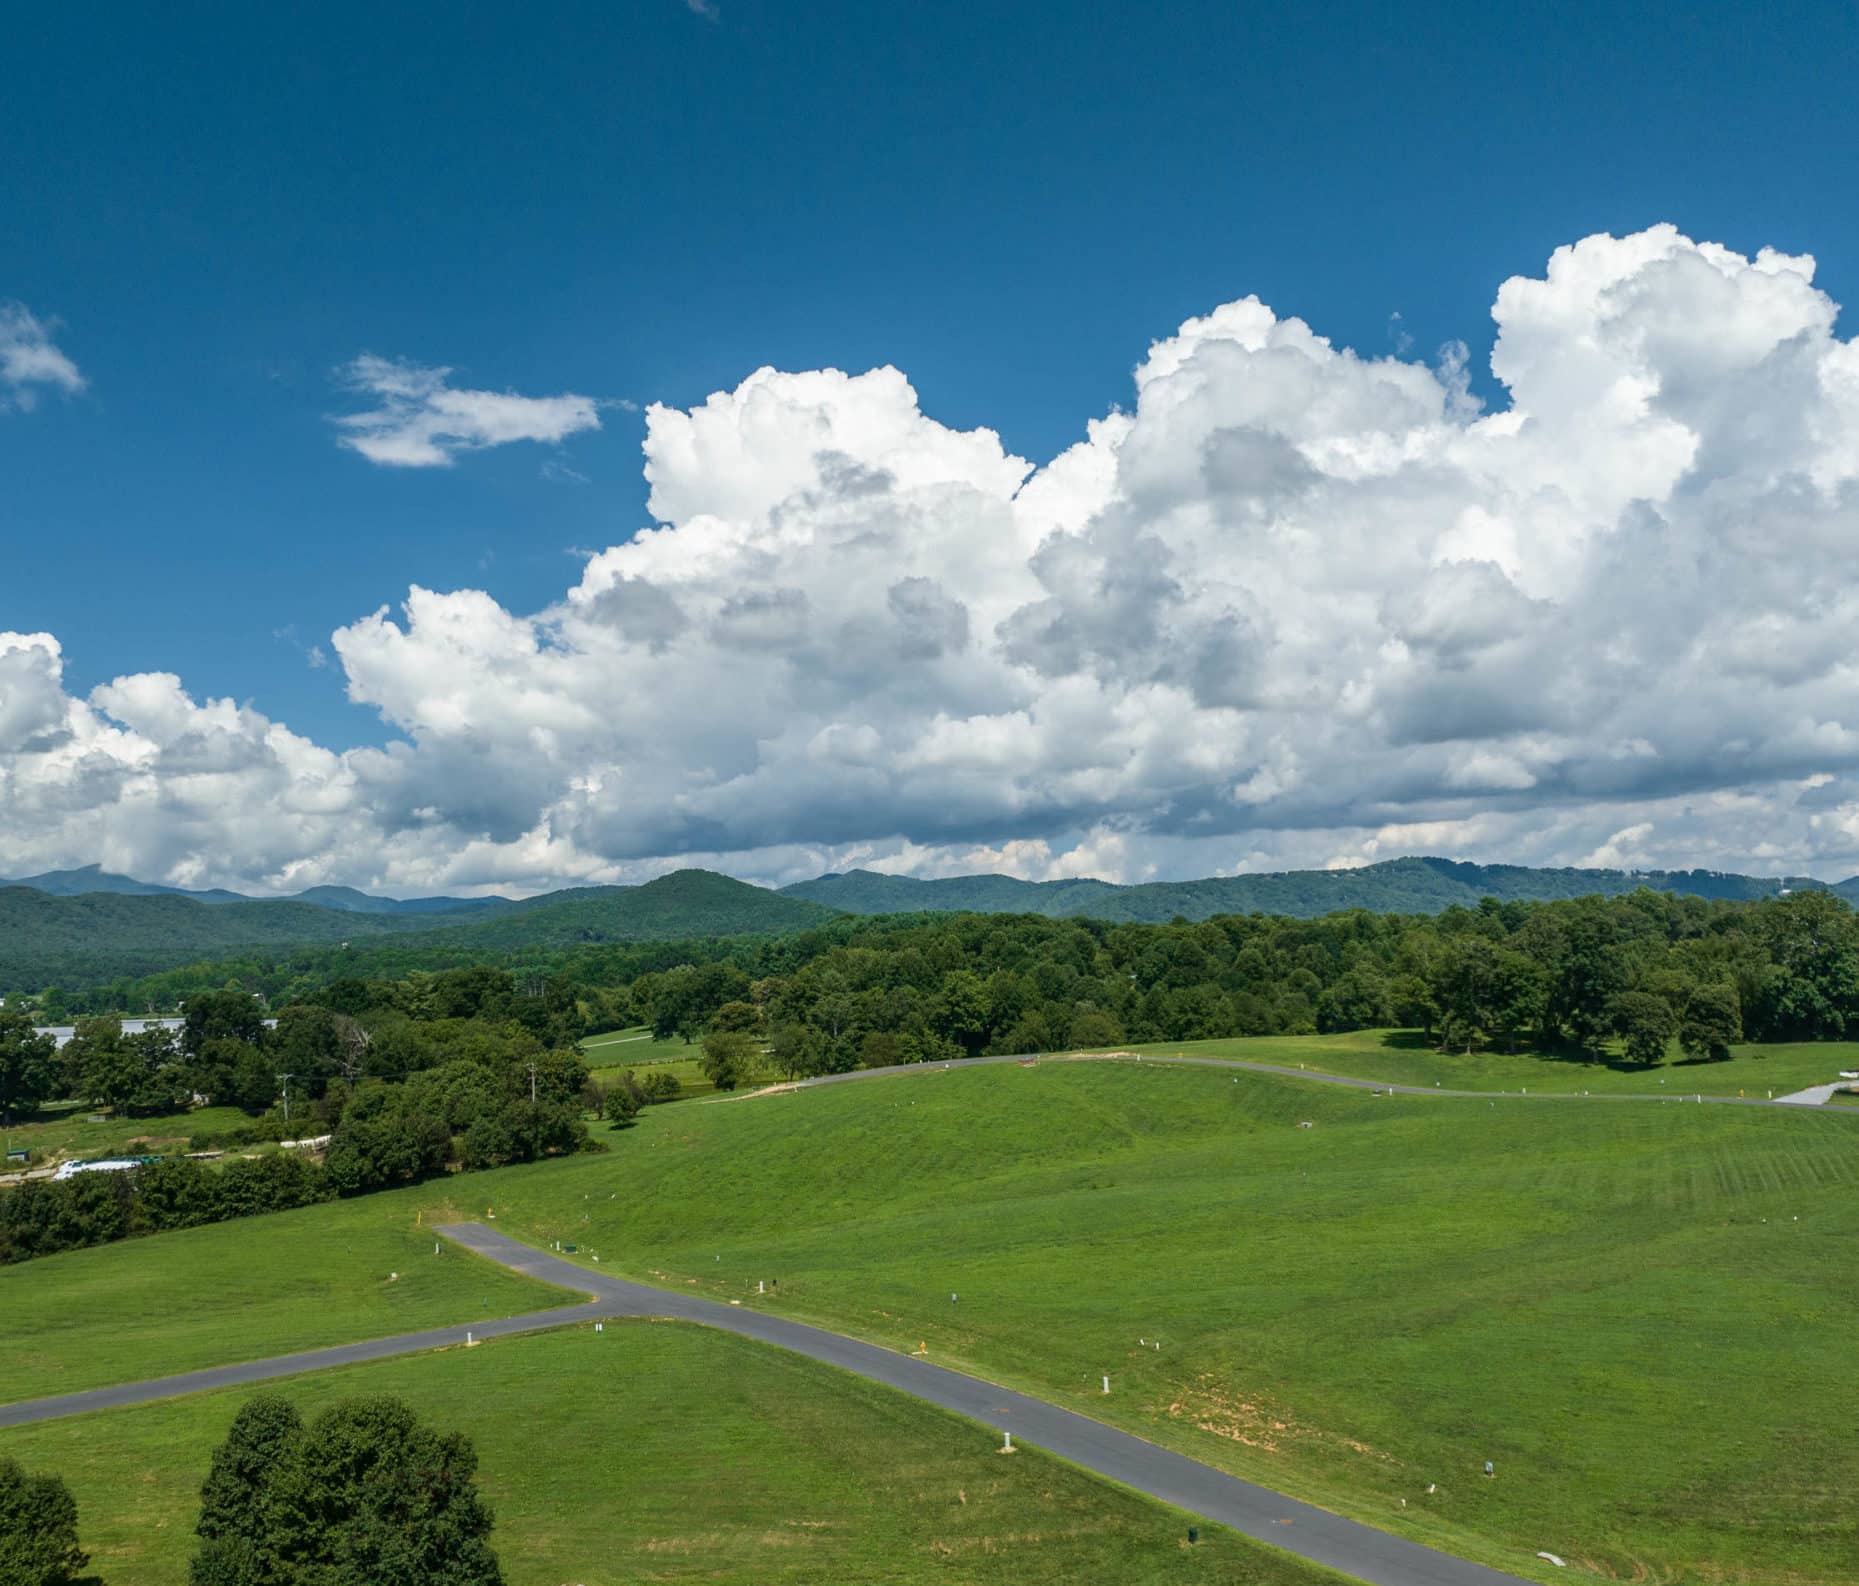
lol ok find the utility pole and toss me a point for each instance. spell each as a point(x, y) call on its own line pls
point(284, 1080)
point(532, 1084)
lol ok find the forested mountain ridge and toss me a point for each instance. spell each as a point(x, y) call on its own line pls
point(94, 878)
point(102, 936)
point(125, 929)
point(1394, 886)
point(686, 903)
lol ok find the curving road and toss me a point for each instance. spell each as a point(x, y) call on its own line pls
point(1300, 1528)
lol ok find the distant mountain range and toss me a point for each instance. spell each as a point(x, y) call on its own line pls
point(91, 937)
point(94, 878)
point(1395, 886)
point(84, 927)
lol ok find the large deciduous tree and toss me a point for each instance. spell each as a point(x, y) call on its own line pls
point(28, 1064)
point(1711, 1023)
point(38, 1529)
point(364, 1496)
point(1645, 1023)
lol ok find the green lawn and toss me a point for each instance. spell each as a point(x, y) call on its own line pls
point(1642, 1313)
point(68, 1129)
point(635, 1048)
point(669, 1453)
point(689, 1075)
point(609, 1056)
point(1403, 1058)
point(1615, 1304)
point(240, 1291)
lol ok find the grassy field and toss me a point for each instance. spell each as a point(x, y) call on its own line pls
point(74, 1129)
point(609, 1056)
point(239, 1291)
point(635, 1048)
point(667, 1453)
point(1403, 1058)
point(1641, 1313)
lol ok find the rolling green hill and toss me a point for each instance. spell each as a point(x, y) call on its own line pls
point(1396, 886)
point(686, 903)
point(100, 935)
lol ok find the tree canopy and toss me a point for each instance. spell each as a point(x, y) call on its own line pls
point(365, 1495)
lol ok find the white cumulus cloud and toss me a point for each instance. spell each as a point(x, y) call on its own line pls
point(423, 421)
point(1292, 606)
point(30, 361)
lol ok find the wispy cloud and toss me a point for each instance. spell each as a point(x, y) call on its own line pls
point(29, 360)
point(703, 8)
point(312, 653)
point(424, 422)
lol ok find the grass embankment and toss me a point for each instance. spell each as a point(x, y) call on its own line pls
point(236, 1291)
point(1402, 1057)
point(1615, 1304)
point(666, 1453)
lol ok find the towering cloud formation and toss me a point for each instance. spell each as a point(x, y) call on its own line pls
point(1294, 606)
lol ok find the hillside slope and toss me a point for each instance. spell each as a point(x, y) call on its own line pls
point(101, 935)
point(686, 903)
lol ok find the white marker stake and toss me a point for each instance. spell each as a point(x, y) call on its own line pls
point(760, 1286)
point(1007, 1444)
point(1106, 1384)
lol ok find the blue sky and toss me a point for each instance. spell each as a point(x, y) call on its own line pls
point(219, 207)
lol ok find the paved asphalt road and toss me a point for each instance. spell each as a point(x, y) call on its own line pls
point(1312, 1533)
point(291, 1365)
point(1328, 1539)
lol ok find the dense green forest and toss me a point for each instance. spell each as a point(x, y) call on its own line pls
point(58, 936)
point(1584, 975)
point(400, 1082)
point(1576, 973)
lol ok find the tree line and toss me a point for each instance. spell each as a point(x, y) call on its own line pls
point(1631, 973)
point(1624, 978)
point(451, 1073)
